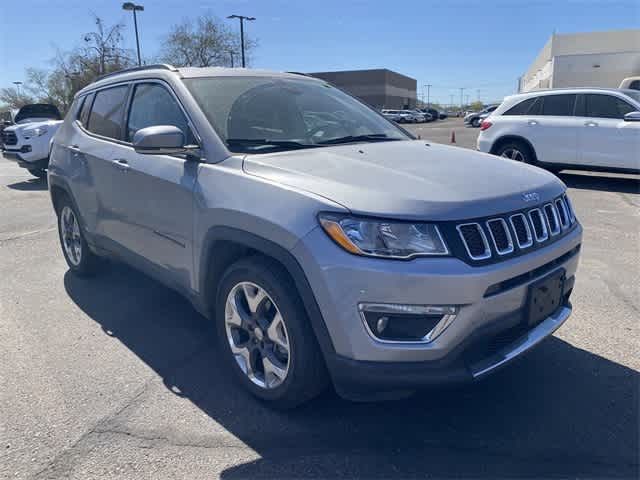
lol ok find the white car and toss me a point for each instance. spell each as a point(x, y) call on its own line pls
point(28, 141)
point(578, 128)
point(400, 116)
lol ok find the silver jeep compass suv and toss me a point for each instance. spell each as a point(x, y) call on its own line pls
point(326, 243)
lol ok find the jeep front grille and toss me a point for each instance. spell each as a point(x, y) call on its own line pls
point(9, 138)
point(510, 234)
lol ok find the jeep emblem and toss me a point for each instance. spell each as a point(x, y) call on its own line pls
point(530, 196)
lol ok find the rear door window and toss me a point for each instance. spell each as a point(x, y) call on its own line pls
point(107, 114)
point(558, 105)
point(606, 106)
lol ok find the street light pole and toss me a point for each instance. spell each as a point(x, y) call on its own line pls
point(242, 19)
point(462, 89)
point(17, 84)
point(428, 93)
point(135, 8)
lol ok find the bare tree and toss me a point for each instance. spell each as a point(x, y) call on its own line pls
point(204, 42)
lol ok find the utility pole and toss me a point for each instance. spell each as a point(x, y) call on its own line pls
point(242, 19)
point(478, 93)
point(462, 89)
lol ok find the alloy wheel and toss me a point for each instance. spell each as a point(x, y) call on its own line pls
point(513, 154)
point(257, 335)
point(70, 233)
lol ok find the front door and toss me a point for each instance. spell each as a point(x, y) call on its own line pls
point(156, 203)
point(606, 140)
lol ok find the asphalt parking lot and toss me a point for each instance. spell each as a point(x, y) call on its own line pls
point(118, 377)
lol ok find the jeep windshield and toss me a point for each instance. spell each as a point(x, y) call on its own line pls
point(266, 114)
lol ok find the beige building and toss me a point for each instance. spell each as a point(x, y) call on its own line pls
point(594, 59)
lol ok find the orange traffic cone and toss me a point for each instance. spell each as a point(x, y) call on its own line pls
point(453, 136)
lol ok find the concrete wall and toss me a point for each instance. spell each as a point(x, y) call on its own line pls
point(380, 88)
point(594, 70)
point(568, 60)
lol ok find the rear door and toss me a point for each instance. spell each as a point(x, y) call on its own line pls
point(156, 191)
point(105, 128)
point(606, 140)
point(552, 128)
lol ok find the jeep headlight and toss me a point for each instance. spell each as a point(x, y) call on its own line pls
point(384, 238)
point(34, 132)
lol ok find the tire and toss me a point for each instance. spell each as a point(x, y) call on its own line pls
point(475, 123)
point(38, 172)
point(516, 151)
point(80, 259)
point(291, 379)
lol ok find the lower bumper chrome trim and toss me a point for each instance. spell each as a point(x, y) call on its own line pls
point(522, 344)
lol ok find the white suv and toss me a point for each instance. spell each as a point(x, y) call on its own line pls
point(581, 128)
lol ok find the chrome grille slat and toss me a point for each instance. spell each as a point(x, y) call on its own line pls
point(543, 234)
point(529, 240)
point(563, 213)
point(553, 220)
point(572, 217)
point(505, 229)
point(465, 240)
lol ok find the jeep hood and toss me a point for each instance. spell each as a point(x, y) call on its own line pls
point(38, 110)
point(408, 179)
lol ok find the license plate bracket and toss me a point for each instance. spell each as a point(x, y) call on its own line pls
point(545, 297)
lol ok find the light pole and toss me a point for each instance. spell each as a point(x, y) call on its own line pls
point(428, 92)
point(17, 84)
point(242, 19)
point(135, 8)
point(462, 89)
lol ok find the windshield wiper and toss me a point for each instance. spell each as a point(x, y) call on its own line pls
point(371, 137)
point(263, 142)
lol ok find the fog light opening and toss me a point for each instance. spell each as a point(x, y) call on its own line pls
point(397, 323)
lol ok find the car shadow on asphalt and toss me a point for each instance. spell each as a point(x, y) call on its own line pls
point(559, 411)
point(32, 185)
point(602, 182)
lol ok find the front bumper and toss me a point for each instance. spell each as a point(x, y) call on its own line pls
point(485, 351)
point(341, 282)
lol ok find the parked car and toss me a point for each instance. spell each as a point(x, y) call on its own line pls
point(435, 115)
point(400, 116)
point(475, 118)
point(584, 128)
point(632, 83)
point(419, 116)
point(28, 141)
point(443, 115)
point(340, 253)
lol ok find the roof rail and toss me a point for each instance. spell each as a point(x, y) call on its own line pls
point(161, 66)
point(300, 73)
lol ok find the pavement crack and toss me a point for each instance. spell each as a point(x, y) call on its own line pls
point(26, 234)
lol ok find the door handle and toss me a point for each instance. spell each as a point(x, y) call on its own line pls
point(591, 124)
point(121, 164)
point(532, 122)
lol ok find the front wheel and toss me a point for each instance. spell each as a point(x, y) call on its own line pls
point(265, 335)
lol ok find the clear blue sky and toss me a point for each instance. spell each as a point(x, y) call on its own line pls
point(482, 44)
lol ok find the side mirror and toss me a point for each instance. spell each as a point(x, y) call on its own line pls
point(161, 140)
point(632, 117)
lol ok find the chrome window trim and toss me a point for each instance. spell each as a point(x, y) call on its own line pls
point(487, 249)
point(560, 201)
point(527, 227)
point(509, 248)
point(543, 223)
point(556, 217)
